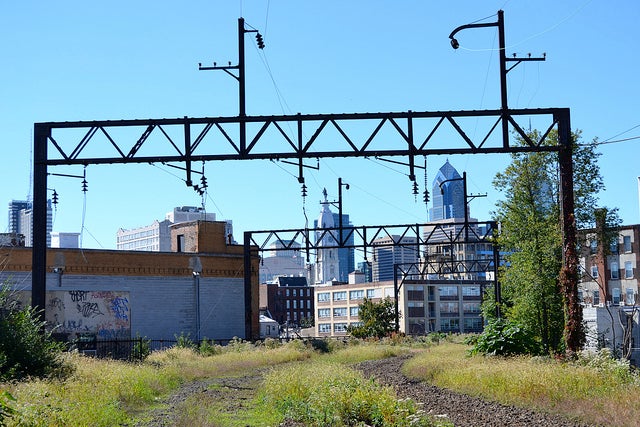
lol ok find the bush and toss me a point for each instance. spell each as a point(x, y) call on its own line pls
point(26, 348)
point(504, 338)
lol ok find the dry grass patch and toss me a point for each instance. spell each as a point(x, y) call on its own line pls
point(581, 392)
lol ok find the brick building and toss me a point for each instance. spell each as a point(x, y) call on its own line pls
point(198, 290)
point(288, 298)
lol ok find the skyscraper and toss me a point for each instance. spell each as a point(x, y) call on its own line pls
point(21, 220)
point(447, 194)
point(327, 262)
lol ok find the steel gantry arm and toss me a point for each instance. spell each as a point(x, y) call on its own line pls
point(212, 138)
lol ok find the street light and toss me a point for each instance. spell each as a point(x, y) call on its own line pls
point(503, 63)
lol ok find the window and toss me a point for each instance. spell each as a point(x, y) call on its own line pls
point(629, 297)
point(287, 292)
point(295, 304)
point(308, 303)
point(615, 270)
point(593, 247)
point(627, 243)
point(616, 295)
point(340, 296)
point(324, 312)
point(353, 295)
point(371, 293)
point(339, 327)
point(324, 328)
point(628, 270)
point(323, 296)
point(340, 312)
point(295, 292)
point(353, 311)
point(473, 324)
point(448, 291)
point(450, 325)
point(448, 308)
point(471, 291)
point(415, 309)
point(596, 297)
point(594, 271)
point(471, 307)
point(614, 247)
point(288, 304)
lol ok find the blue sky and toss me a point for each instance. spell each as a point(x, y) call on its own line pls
point(78, 60)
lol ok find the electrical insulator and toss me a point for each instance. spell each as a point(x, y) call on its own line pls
point(415, 188)
point(259, 41)
point(426, 196)
point(304, 190)
point(54, 197)
point(84, 186)
point(203, 180)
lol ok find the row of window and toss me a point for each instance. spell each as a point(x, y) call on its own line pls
point(629, 296)
point(138, 235)
point(626, 244)
point(295, 303)
point(615, 270)
point(338, 312)
point(325, 328)
point(353, 295)
point(294, 292)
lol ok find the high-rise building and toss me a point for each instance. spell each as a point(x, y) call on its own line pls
point(389, 251)
point(346, 256)
point(447, 194)
point(327, 260)
point(282, 262)
point(21, 220)
point(156, 237)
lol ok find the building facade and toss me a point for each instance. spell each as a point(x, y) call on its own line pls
point(110, 294)
point(425, 305)
point(609, 275)
point(387, 253)
point(21, 220)
point(289, 300)
point(448, 198)
point(156, 236)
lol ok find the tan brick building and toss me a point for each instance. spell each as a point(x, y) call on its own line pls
point(198, 290)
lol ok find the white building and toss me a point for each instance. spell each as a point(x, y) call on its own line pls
point(327, 260)
point(156, 237)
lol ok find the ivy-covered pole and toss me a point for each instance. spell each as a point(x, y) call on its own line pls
point(574, 335)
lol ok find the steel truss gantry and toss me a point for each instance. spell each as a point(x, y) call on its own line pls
point(54, 147)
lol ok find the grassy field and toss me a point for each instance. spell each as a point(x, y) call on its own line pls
point(314, 385)
point(595, 390)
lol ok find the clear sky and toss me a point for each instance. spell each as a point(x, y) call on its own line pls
point(79, 60)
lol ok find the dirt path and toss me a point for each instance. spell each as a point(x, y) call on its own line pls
point(460, 409)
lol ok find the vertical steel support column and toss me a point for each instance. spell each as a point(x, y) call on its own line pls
point(396, 295)
point(573, 330)
point(497, 294)
point(39, 250)
point(248, 307)
point(503, 79)
point(187, 151)
point(241, 89)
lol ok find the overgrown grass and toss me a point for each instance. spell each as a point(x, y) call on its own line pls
point(326, 393)
point(597, 391)
point(110, 393)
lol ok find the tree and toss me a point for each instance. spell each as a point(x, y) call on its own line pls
point(531, 236)
point(378, 319)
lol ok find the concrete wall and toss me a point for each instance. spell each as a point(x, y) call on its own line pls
point(152, 307)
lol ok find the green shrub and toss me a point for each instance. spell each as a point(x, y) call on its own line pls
point(208, 348)
point(504, 338)
point(141, 348)
point(184, 341)
point(6, 410)
point(26, 348)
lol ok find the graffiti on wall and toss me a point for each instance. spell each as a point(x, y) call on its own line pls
point(105, 314)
